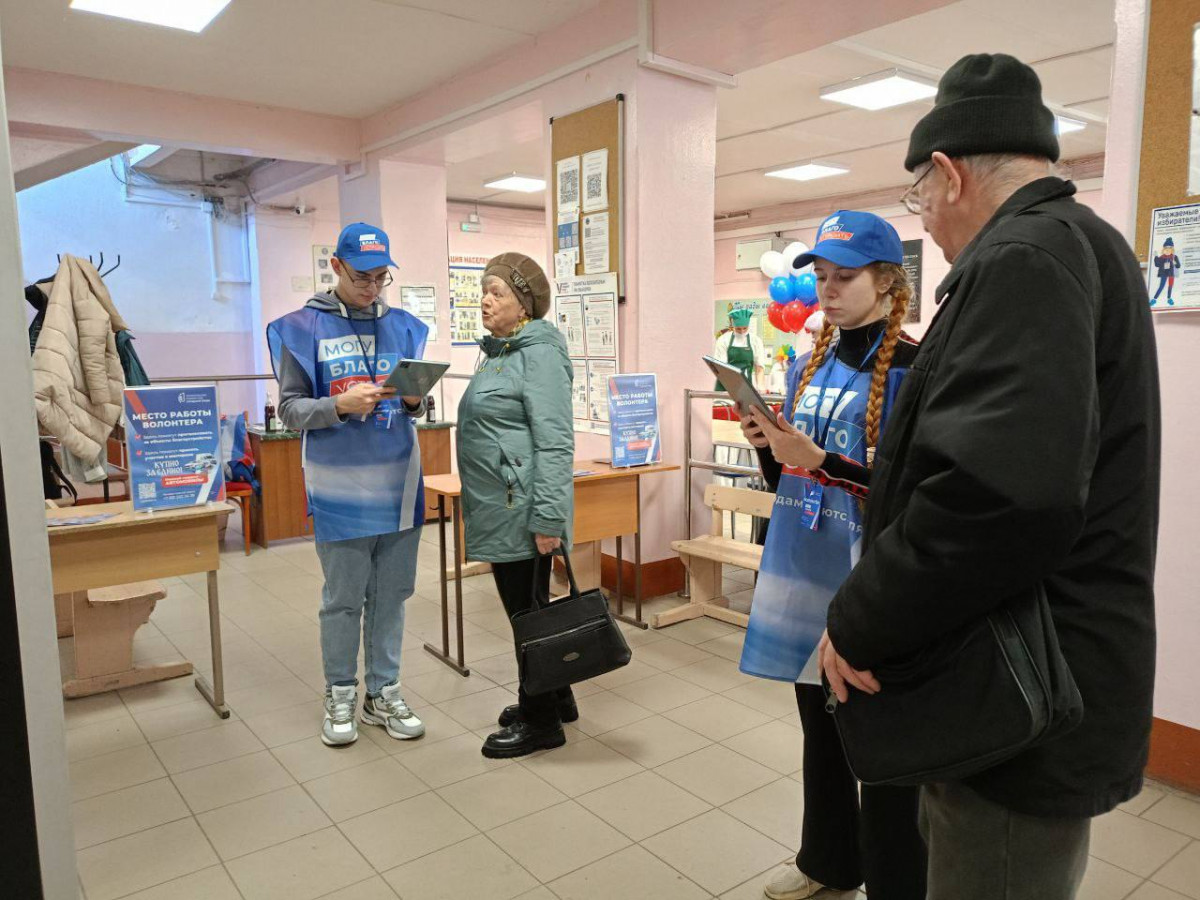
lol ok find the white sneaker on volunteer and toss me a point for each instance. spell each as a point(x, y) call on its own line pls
point(339, 727)
point(391, 711)
point(789, 883)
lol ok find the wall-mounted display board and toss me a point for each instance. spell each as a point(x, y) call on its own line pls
point(587, 152)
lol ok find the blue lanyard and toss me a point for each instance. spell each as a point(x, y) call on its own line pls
point(842, 393)
point(371, 361)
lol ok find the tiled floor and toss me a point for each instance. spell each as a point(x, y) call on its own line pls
point(680, 779)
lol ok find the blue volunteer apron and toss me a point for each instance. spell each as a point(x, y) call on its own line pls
point(363, 478)
point(815, 535)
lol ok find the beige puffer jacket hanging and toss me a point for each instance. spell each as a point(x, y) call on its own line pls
point(77, 375)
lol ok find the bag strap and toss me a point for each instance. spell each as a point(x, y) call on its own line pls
point(548, 559)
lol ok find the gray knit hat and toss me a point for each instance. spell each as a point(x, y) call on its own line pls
point(526, 279)
point(986, 103)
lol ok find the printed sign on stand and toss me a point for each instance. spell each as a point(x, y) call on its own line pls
point(633, 420)
point(173, 435)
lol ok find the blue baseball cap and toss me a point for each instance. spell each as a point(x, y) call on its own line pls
point(854, 239)
point(364, 247)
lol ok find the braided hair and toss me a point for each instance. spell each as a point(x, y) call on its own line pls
point(901, 292)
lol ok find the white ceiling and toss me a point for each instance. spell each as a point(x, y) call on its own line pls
point(343, 57)
point(775, 115)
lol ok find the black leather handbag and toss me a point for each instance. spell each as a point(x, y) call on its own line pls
point(964, 704)
point(567, 640)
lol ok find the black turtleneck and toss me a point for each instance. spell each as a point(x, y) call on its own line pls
point(853, 343)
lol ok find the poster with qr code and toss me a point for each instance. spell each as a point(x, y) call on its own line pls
point(567, 171)
point(595, 180)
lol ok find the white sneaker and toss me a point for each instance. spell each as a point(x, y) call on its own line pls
point(789, 883)
point(339, 727)
point(390, 711)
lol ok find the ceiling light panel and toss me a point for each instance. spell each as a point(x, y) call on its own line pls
point(187, 15)
point(526, 184)
point(881, 90)
point(808, 171)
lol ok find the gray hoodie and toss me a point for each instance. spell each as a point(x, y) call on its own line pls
point(298, 409)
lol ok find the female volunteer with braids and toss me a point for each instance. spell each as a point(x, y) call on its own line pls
point(818, 458)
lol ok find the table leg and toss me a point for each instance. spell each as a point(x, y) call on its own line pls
point(214, 693)
point(444, 653)
point(620, 577)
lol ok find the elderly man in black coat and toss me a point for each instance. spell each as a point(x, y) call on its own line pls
point(1023, 452)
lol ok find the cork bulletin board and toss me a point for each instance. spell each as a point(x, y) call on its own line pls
point(1167, 113)
point(599, 127)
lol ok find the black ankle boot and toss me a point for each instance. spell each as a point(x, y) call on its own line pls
point(567, 712)
point(520, 739)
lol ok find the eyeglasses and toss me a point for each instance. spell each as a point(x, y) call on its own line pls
point(380, 281)
point(911, 200)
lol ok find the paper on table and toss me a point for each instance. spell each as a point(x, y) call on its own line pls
point(595, 244)
point(595, 180)
point(568, 184)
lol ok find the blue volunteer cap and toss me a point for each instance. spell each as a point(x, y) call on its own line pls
point(363, 247)
point(854, 239)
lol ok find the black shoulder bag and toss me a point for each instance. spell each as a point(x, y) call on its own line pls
point(567, 640)
point(978, 696)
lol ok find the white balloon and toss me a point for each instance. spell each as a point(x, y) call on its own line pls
point(790, 252)
point(773, 264)
point(814, 322)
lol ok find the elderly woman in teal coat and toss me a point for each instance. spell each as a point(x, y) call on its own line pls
point(516, 448)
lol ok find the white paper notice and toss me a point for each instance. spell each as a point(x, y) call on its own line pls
point(421, 301)
point(600, 320)
point(579, 391)
point(564, 263)
point(570, 323)
point(595, 244)
point(595, 180)
point(568, 184)
point(599, 371)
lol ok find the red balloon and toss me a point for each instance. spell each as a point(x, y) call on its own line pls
point(775, 315)
point(795, 314)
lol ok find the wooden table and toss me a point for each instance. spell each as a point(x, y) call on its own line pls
point(608, 504)
point(281, 509)
point(143, 546)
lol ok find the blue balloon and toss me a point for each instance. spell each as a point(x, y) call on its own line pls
point(781, 289)
point(806, 288)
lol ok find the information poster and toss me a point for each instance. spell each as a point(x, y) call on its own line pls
point(421, 301)
point(570, 323)
point(595, 180)
point(1173, 259)
point(633, 420)
point(585, 310)
point(913, 252)
point(466, 293)
point(173, 435)
point(324, 277)
point(568, 237)
point(599, 373)
point(567, 172)
point(595, 244)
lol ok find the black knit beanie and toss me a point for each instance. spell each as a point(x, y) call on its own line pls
point(986, 103)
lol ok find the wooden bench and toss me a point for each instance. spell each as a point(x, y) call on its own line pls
point(104, 622)
point(706, 556)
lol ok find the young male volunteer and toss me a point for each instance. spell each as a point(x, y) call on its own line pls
point(362, 472)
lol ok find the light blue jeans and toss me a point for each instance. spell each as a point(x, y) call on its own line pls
point(367, 581)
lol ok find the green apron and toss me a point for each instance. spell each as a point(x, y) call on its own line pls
point(740, 358)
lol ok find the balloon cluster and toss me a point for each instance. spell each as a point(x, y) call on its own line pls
point(794, 291)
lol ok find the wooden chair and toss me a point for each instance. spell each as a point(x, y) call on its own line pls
point(104, 622)
point(242, 494)
point(706, 556)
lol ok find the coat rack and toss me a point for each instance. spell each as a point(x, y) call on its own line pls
point(98, 265)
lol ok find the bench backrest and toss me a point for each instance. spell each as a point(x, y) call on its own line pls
point(720, 498)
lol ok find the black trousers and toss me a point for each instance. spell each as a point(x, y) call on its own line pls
point(847, 840)
point(516, 582)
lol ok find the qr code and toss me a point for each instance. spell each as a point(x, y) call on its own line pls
point(568, 187)
point(147, 490)
point(593, 185)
